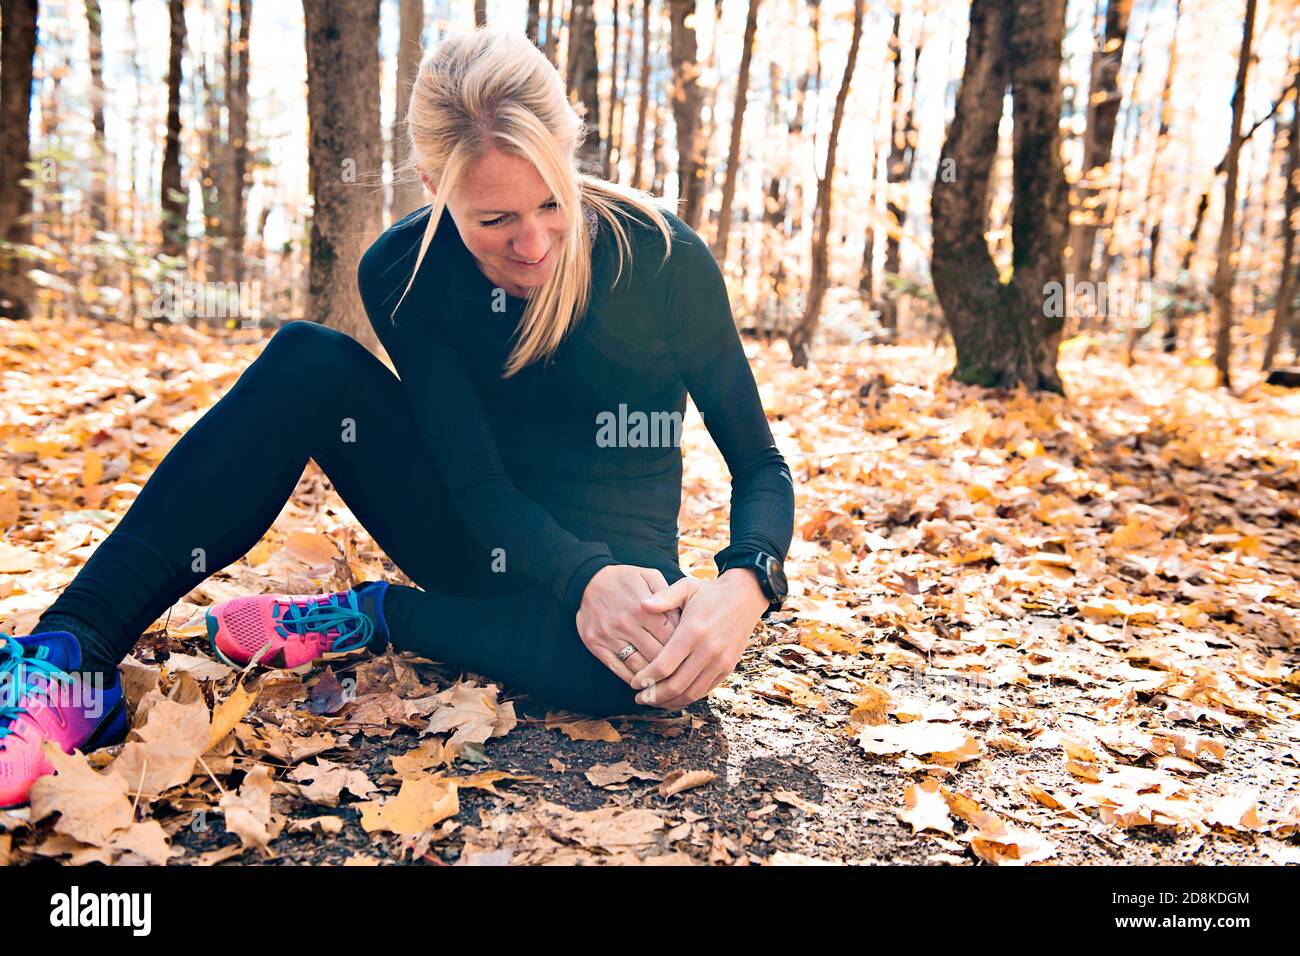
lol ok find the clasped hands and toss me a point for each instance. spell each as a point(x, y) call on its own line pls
point(688, 637)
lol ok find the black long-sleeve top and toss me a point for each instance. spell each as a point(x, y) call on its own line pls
point(551, 464)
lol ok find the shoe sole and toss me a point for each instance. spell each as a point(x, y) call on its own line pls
point(212, 639)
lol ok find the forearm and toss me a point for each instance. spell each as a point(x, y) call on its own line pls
point(762, 508)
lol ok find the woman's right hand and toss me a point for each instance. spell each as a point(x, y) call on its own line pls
point(611, 617)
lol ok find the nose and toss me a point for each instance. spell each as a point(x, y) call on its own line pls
point(531, 243)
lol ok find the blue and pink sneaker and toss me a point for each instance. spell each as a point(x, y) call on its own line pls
point(43, 696)
point(286, 630)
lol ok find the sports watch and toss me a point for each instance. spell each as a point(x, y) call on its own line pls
point(771, 576)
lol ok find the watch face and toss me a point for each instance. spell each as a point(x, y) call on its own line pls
point(776, 576)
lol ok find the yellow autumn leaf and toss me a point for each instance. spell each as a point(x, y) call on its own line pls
point(925, 808)
point(311, 548)
point(421, 803)
point(8, 508)
point(228, 713)
point(92, 469)
point(1133, 534)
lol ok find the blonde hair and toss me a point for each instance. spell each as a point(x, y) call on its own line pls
point(493, 89)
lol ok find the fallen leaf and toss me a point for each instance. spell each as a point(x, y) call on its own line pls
point(419, 804)
point(680, 780)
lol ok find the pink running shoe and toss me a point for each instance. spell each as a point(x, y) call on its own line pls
point(43, 697)
point(286, 630)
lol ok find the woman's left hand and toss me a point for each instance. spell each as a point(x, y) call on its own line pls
point(717, 620)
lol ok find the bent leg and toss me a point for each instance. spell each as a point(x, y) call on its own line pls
point(312, 392)
point(315, 392)
point(527, 640)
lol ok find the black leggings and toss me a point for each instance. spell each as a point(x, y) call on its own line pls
point(315, 392)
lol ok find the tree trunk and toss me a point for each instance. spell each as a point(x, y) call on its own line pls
point(584, 78)
point(408, 192)
point(1221, 290)
point(659, 166)
point(618, 109)
point(344, 156)
point(235, 183)
point(530, 24)
point(552, 31)
point(772, 248)
point(643, 102)
point(99, 211)
point(173, 201)
point(213, 160)
point(1155, 179)
point(480, 13)
point(1181, 284)
point(1282, 311)
point(1114, 211)
point(1006, 334)
point(733, 147)
point(17, 51)
point(898, 172)
point(866, 280)
point(801, 337)
point(608, 141)
point(1103, 110)
point(137, 109)
point(709, 94)
point(687, 101)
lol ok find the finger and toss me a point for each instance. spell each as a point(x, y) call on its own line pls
point(610, 660)
point(643, 646)
point(676, 684)
point(647, 645)
point(669, 659)
point(654, 578)
point(657, 632)
point(659, 628)
point(670, 597)
point(699, 689)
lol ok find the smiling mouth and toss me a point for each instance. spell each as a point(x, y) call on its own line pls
point(525, 262)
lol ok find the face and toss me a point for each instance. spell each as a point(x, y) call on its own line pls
point(508, 220)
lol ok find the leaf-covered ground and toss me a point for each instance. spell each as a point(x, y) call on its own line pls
point(1023, 630)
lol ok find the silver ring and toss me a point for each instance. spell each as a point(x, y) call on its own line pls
point(627, 652)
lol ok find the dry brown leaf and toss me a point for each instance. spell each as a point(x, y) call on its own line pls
point(680, 780)
point(605, 775)
point(248, 812)
point(942, 743)
point(311, 548)
point(323, 782)
point(925, 808)
point(429, 754)
point(473, 712)
point(91, 806)
point(421, 803)
point(228, 713)
point(579, 728)
point(172, 740)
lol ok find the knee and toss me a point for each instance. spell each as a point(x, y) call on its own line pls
point(313, 347)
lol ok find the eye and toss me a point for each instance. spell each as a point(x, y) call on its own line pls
point(551, 205)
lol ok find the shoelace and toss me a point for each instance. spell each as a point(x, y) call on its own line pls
point(320, 618)
point(16, 677)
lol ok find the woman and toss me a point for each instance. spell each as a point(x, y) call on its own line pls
point(524, 471)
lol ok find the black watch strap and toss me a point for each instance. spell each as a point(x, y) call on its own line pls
point(771, 577)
